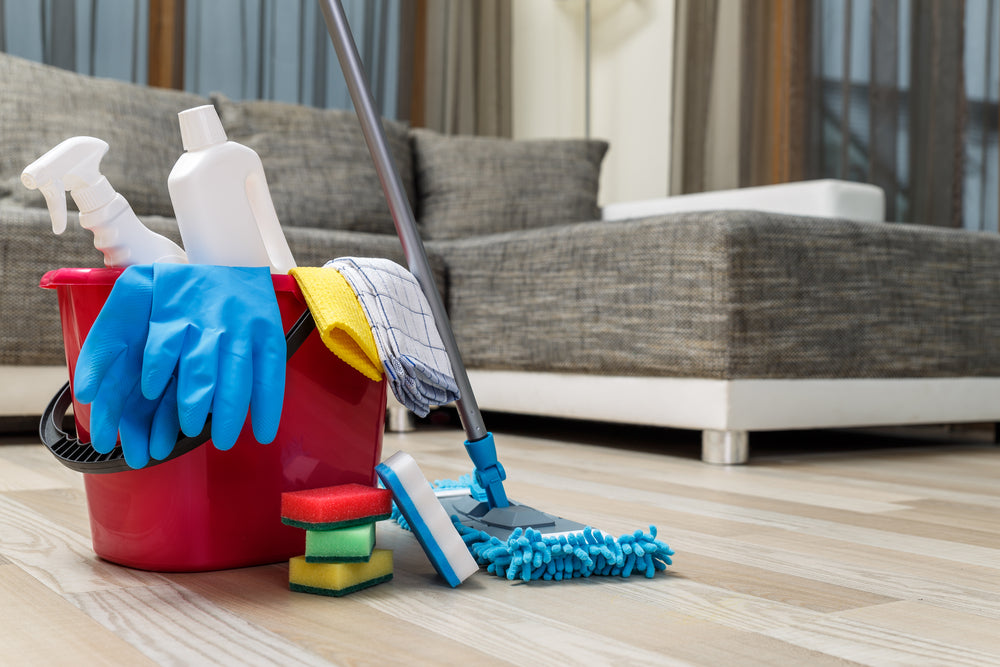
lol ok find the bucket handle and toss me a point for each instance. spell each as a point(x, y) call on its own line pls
point(80, 456)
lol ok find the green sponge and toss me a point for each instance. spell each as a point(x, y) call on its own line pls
point(339, 579)
point(343, 545)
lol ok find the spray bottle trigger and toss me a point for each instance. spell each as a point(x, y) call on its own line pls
point(55, 199)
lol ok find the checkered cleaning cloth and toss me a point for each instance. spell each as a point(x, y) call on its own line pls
point(406, 336)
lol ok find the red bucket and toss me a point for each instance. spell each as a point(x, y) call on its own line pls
point(209, 509)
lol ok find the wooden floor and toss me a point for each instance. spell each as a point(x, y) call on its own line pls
point(828, 548)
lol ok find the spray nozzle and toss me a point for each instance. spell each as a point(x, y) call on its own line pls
point(74, 166)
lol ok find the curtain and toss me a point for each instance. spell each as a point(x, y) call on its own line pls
point(280, 50)
point(99, 37)
point(466, 67)
point(245, 49)
point(899, 93)
point(734, 124)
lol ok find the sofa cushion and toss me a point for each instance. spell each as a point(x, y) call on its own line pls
point(479, 185)
point(318, 167)
point(41, 106)
point(730, 295)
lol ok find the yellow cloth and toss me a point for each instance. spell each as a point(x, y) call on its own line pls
point(340, 320)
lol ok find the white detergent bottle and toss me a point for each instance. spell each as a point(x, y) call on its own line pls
point(221, 200)
point(74, 165)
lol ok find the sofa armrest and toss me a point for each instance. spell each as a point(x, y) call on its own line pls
point(827, 198)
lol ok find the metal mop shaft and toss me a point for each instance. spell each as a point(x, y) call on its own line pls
point(479, 441)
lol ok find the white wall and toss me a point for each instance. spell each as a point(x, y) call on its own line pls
point(632, 43)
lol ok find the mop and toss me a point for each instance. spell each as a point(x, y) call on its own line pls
point(509, 539)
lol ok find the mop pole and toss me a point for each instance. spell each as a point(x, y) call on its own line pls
point(399, 207)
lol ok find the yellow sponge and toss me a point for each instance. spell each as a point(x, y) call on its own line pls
point(338, 579)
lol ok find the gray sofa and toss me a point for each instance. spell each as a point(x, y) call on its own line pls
point(725, 321)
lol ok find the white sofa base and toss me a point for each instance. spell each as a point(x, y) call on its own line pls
point(726, 410)
point(25, 391)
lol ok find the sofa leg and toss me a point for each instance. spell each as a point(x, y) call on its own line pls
point(398, 418)
point(729, 447)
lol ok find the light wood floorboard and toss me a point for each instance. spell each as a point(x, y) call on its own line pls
point(847, 549)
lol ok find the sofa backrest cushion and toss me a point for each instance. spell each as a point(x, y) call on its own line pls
point(482, 185)
point(317, 164)
point(41, 106)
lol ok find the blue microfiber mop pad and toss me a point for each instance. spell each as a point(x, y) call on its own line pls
point(530, 555)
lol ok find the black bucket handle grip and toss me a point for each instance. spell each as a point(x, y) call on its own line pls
point(82, 457)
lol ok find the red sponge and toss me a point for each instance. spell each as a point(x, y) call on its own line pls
point(335, 506)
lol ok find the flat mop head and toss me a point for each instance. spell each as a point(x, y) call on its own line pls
point(518, 542)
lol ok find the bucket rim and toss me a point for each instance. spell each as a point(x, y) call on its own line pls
point(73, 276)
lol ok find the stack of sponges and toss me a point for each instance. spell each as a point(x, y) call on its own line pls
point(340, 553)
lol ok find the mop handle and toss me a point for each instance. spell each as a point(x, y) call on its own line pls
point(399, 206)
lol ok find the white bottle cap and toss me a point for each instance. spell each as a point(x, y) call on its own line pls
point(201, 127)
point(93, 197)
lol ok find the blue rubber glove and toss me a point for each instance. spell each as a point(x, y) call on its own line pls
point(219, 329)
point(108, 373)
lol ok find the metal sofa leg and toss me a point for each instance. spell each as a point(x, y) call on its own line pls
point(398, 418)
point(729, 447)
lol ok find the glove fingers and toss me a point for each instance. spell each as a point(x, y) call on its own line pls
point(232, 395)
point(166, 425)
point(108, 405)
point(197, 375)
point(121, 324)
point(137, 419)
point(92, 366)
point(268, 384)
point(164, 345)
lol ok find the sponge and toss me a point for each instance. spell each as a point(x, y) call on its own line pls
point(333, 507)
point(339, 579)
point(427, 518)
point(353, 544)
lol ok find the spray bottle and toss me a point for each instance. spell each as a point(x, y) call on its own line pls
point(221, 200)
point(74, 166)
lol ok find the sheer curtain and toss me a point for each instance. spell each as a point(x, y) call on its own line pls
point(280, 50)
point(443, 64)
point(105, 38)
point(900, 93)
point(245, 49)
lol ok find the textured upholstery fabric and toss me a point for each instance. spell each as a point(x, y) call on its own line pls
point(478, 185)
point(729, 295)
point(315, 247)
point(317, 164)
point(41, 106)
point(30, 332)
